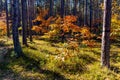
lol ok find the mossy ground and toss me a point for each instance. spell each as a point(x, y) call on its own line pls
point(44, 60)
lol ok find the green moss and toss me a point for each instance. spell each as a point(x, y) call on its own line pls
point(49, 61)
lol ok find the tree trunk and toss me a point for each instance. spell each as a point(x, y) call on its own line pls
point(62, 8)
point(15, 25)
point(75, 7)
point(0, 7)
point(51, 8)
point(30, 13)
point(7, 19)
point(85, 13)
point(91, 14)
point(105, 55)
point(24, 21)
point(11, 9)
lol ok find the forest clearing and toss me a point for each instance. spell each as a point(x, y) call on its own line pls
point(59, 40)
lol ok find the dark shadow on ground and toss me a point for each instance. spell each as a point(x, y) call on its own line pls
point(2, 43)
point(32, 47)
point(115, 57)
point(96, 52)
point(116, 42)
point(47, 52)
point(30, 65)
point(87, 59)
point(7, 74)
point(54, 45)
point(115, 69)
point(33, 65)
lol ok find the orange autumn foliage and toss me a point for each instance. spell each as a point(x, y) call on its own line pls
point(69, 24)
point(90, 43)
point(86, 34)
point(2, 28)
point(70, 19)
point(44, 25)
point(36, 28)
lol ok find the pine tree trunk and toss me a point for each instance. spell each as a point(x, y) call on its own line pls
point(85, 13)
point(0, 7)
point(51, 8)
point(15, 25)
point(30, 13)
point(62, 8)
point(11, 9)
point(7, 19)
point(75, 7)
point(105, 55)
point(91, 14)
point(24, 21)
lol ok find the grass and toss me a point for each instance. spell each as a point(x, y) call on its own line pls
point(53, 61)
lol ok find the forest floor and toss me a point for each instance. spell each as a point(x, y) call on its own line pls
point(46, 60)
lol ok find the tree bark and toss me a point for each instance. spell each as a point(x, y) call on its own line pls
point(105, 55)
point(91, 14)
point(30, 13)
point(7, 18)
point(0, 7)
point(62, 8)
point(24, 21)
point(85, 13)
point(11, 9)
point(51, 8)
point(75, 7)
point(15, 25)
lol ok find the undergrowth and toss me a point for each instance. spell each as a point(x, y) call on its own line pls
point(57, 61)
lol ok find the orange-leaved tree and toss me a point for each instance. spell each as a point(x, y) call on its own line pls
point(41, 23)
point(2, 28)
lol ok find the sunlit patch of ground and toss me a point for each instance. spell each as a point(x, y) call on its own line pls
point(54, 61)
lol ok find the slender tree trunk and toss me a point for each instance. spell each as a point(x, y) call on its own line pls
point(30, 2)
point(80, 14)
point(3, 5)
point(0, 7)
point(105, 55)
point(75, 7)
point(85, 13)
point(91, 14)
point(70, 7)
point(7, 19)
point(66, 8)
point(62, 8)
point(97, 9)
point(51, 8)
point(24, 21)
point(11, 11)
point(33, 7)
point(15, 25)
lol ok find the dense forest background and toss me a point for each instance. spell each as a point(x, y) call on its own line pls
point(59, 39)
